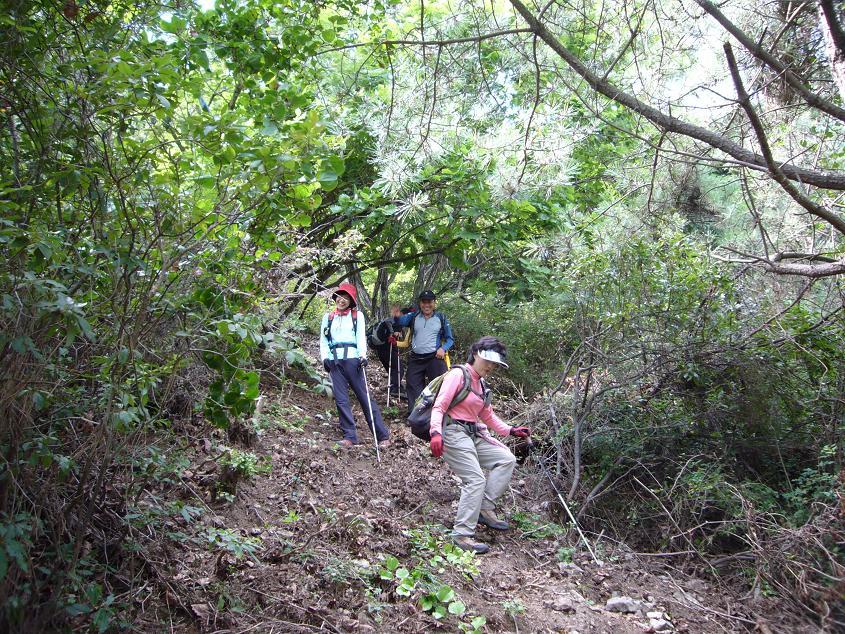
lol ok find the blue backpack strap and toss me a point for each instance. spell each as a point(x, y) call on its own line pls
point(442, 338)
point(328, 332)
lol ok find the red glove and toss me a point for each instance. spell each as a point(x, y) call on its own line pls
point(436, 445)
point(391, 340)
point(520, 432)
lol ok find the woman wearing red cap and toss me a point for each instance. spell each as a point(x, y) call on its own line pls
point(343, 349)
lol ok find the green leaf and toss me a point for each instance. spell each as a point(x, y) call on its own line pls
point(269, 127)
point(102, 620)
point(330, 171)
point(75, 609)
point(175, 25)
point(456, 607)
point(445, 594)
point(17, 552)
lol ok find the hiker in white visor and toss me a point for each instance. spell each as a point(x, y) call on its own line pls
point(461, 435)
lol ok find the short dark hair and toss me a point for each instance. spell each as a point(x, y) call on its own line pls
point(487, 343)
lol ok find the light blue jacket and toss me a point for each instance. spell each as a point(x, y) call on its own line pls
point(342, 333)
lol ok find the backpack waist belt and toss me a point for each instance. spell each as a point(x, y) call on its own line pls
point(334, 346)
point(470, 427)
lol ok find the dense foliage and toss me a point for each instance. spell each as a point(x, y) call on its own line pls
point(179, 182)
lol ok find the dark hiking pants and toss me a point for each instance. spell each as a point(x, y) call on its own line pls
point(347, 373)
point(421, 370)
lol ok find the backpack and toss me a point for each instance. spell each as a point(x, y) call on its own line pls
point(377, 334)
point(420, 417)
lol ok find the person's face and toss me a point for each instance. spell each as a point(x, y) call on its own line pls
point(342, 301)
point(483, 366)
point(395, 311)
point(427, 307)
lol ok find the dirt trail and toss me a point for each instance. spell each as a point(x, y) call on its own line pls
point(325, 525)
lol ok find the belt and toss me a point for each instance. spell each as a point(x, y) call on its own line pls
point(427, 355)
point(470, 427)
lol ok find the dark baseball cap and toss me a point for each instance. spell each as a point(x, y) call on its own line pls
point(426, 296)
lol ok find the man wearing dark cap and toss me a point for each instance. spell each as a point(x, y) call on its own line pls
point(431, 339)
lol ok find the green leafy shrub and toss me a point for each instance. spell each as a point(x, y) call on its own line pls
point(232, 542)
point(245, 463)
point(532, 526)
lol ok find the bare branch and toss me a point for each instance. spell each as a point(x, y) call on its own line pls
point(758, 51)
point(819, 178)
point(774, 169)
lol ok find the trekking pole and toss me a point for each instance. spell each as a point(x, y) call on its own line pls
point(389, 365)
point(568, 512)
point(372, 420)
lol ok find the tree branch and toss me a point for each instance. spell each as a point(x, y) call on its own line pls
point(773, 62)
point(775, 170)
point(823, 179)
point(424, 43)
point(836, 32)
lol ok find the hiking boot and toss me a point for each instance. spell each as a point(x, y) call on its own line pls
point(466, 542)
point(489, 519)
point(384, 444)
point(346, 444)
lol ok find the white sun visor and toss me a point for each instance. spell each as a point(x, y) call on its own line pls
point(492, 355)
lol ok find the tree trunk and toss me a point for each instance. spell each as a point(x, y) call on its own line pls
point(830, 25)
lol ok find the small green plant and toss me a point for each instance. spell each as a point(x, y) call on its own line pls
point(475, 626)
point(343, 571)
point(276, 416)
point(533, 527)
point(15, 541)
point(291, 517)
point(464, 561)
point(565, 554)
point(392, 411)
point(442, 601)
point(431, 545)
point(233, 542)
point(329, 514)
point(391, 570)
point(514, 608)
point(375, 606)
point(245, 463)
point(813, 486)
point(226, 600)
point(432, 556)
point(102, 610)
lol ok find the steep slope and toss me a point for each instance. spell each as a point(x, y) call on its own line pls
point(315, 538)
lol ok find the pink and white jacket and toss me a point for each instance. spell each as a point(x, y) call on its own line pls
point(472, 408)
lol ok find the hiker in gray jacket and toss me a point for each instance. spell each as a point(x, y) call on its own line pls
point(431, 339)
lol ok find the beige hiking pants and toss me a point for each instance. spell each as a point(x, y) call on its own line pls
point(468, 458)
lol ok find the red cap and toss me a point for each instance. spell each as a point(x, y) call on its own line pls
point(350, 290)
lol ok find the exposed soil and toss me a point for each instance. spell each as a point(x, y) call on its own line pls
point(324, 520)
